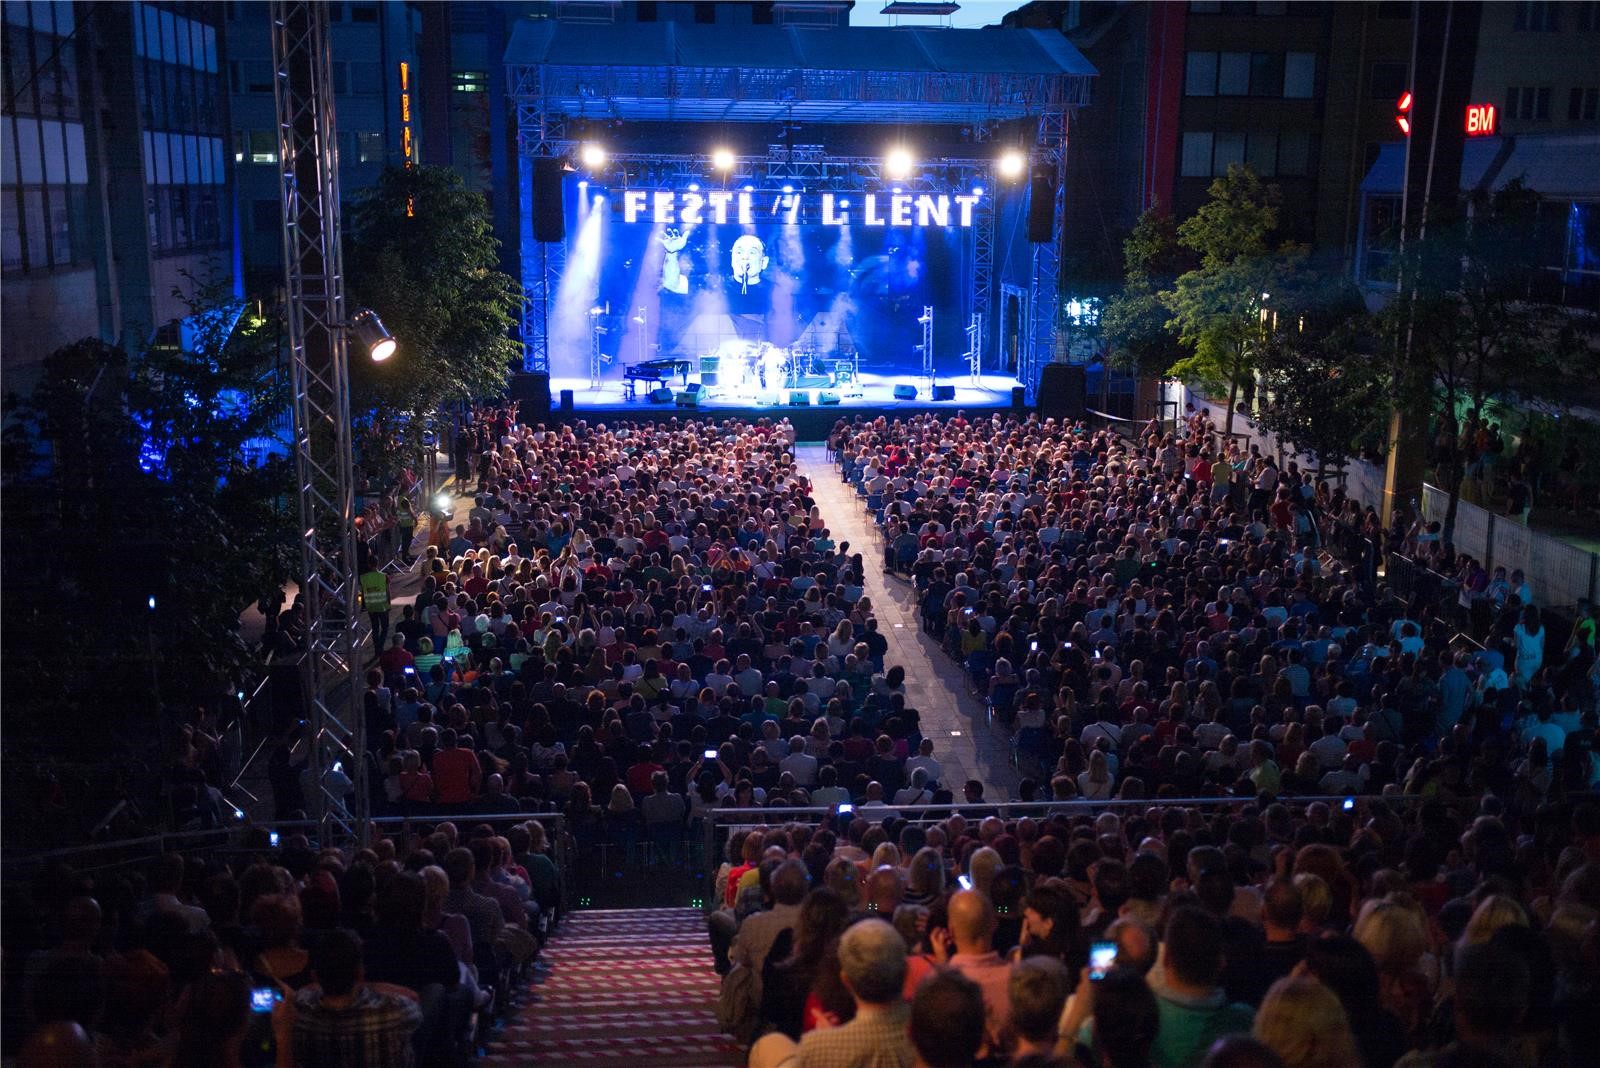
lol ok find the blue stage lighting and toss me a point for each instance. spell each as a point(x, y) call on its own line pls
point(694, 187)
point(788, 189)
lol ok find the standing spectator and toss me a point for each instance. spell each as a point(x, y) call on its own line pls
point(1303, 1023)
point(1194, 1010)
point(457, 775)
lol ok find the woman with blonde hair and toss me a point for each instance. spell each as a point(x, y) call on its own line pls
point(1397, 938)
point(1303, 1022)
point(1094, 784)
point(1494, 912)
point(925, 877)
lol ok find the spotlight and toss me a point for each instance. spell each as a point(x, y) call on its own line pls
point(592, 155)
point(1011, 164)
point(977, 190)
point(152, 602)
point(723, 159)
point(788, 189)
point(371, 335)
point(898, 163)
point(694, 187)
point(749, 188)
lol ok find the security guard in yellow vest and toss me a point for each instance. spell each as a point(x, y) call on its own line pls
point(375, 597)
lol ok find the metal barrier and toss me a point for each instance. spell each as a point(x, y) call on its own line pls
point(1559, 572)
point(109, 856)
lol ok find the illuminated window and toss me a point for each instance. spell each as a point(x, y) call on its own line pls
point(469, 81)
point(263, 146)
point(369, 146)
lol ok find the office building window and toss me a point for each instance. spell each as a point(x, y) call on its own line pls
point(1584, 104)
point(363, 12)
point(705, 13)
point(1530, 102)
point(369, 146)
point(251, 75)
point(263, 146)
point(1201, 77)
point(470, 81)
point(1387, 81)
point(1266, 74)
point(1300, 75)
point(1538, 15)
point(1233, 74)
point(1227, 151)
point(1196, 155)
point(1261, 152)
point(44, 194)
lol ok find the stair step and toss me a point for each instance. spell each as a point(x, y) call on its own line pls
point(621, 988)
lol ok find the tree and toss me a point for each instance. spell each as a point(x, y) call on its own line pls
point(1322, 387)
point(126, 487)
point(1462, 330)
point(421, 252)
point(1135, 320)
point(1219, 307)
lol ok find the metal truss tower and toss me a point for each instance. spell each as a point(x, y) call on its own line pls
point(975, 347)
point(319, 368)
point(926, 348)
point(1044, 293)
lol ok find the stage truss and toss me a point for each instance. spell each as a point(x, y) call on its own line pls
point(550, 120)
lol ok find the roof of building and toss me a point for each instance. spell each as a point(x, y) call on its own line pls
point(752, 73)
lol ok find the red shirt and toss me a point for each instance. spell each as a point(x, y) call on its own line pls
point(638, 776)
point(456, 775)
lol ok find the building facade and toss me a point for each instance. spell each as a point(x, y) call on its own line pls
point(378, 100)
point(117, 187)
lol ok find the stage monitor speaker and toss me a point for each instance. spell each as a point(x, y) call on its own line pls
point(1061, 391)
point(661, 395)
point(799, 398)
point(944, 393)
point(905, 392)
point(826, 397)
point(1041, 210)
point(566, 400)
point(533, 390)
point(549, 213)
point(1019, 398)
point(693, 388)
point(689, 398)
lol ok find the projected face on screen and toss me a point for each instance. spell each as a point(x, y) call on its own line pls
point(748, 258)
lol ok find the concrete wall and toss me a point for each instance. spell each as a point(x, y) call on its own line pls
point(41, 314)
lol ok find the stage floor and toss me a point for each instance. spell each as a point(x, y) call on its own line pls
point(876, 392)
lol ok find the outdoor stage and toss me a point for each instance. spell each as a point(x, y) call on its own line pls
point(874, 397)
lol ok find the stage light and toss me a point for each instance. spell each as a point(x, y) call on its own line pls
point(899, 189)
point(694, 187)
point(723, 159)
point(592, 155)
point(1011, 164)
point(152, 602)
point(749, 188)
point(977, 190)
point(898, 163)
point(371, 335)
point(583, 183)
point(788, 189)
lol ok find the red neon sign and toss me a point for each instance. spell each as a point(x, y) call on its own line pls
point(1480, 120)
point(1403, 106)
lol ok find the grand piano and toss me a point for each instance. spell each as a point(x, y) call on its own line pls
point(654, 373)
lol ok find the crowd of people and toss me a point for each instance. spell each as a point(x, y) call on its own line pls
point(635, 623)
point(1350, 839)
point(279, 952)
point(1344, 837)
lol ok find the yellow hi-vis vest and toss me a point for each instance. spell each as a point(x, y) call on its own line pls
point(375, 591)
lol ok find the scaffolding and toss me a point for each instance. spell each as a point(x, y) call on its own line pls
point(926, 348)
point(975, 348)
point(335, 747)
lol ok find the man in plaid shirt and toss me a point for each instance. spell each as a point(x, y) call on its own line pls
point(342, 1021)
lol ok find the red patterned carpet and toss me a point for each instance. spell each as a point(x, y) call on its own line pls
point(623, 987)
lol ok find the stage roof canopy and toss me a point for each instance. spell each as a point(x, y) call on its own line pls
point(687, 72)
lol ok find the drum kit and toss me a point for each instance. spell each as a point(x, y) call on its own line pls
point(748, 369)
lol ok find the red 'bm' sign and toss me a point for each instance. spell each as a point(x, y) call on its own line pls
point(1480, 120)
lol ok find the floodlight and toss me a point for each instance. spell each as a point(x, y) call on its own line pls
point(1011, 164)
point(372, 335)
point(593, 155)
point(723, 159)
point(898, 163)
